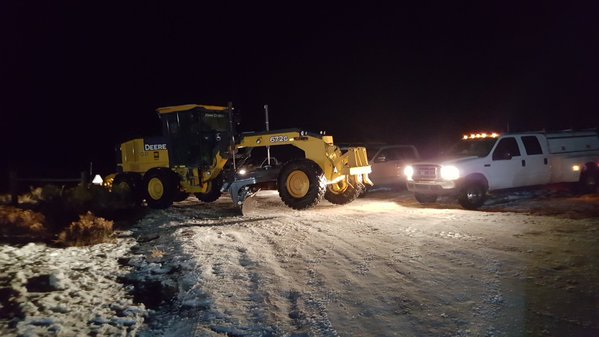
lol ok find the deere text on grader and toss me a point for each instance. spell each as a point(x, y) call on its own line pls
point(199, 153)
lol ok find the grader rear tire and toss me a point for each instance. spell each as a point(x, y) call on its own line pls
point(128, 186)
point(301, 184)
point(342, 193)
point(160, 189)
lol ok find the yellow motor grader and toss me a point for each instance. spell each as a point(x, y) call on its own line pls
point(200, 153)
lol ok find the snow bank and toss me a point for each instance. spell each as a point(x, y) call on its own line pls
point(68, 292)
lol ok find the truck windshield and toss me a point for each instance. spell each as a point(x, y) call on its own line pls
point(472, 147)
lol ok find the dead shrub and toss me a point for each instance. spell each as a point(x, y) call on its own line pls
point(88, 230)
point(79, 196)
point(18, 222)
point(156, 254)
point(51, 192)
point(32, 197)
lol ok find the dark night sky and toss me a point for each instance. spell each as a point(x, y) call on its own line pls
point(79, 77)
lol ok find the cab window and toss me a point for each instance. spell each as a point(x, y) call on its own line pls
point(506, 149)
point(532, 145)
point(405, 153)
point(386, 155)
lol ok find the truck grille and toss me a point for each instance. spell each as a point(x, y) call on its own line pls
point(425, 172)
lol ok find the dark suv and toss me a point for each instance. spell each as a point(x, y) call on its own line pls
point(388, 162)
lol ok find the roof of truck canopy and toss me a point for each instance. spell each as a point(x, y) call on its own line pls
point(177, 108)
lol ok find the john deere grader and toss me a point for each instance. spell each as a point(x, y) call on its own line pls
point(200, 153)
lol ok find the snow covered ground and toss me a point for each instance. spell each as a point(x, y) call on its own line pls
point(526, 264)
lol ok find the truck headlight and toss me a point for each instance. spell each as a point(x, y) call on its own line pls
point(242, 171)
point(409, 172)
point(450, 173)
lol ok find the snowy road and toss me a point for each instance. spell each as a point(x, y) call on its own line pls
point(525, 265)
point(381, 266)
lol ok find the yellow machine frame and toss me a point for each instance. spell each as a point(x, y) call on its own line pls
point(143, 160)
point(335, 165)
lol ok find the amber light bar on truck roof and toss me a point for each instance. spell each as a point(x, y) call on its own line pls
point(481, 135)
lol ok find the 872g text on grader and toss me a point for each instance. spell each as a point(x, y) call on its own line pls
point(199, 153)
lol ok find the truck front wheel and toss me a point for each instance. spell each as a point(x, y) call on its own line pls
point(473, 195)
point(301, 184)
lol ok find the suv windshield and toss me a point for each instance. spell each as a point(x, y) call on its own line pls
point(371, 151)
point(472, 147)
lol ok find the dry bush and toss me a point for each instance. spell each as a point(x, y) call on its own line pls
point(32, 197)
point(97, 199)
point(18, 222)
point(79, 196)
point(5, 199)
point(51, 192)
point(88, 230)
point(55, 211)
point(156, 254)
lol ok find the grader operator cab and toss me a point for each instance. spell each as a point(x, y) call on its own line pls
point(200, 151)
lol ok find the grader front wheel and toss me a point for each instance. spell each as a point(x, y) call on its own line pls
point(301, 184)
point(342, 193)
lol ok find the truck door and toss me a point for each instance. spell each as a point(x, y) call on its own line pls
point(536, 163)
point(505, 169)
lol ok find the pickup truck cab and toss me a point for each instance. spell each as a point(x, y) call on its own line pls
point(483, 162)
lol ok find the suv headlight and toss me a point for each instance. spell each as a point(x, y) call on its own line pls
point(409, 172)
point(450, 173)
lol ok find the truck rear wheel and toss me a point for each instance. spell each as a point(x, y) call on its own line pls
point(425, 198)
point(213, 192)
point(473, 195)
point(160, 189)
point(342, 193)
point(301, 184)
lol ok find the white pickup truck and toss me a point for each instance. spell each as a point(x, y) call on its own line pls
point(482, 162)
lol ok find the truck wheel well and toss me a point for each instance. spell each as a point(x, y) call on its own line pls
point(477, 177)
point(589, 178)
point(591, 166)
